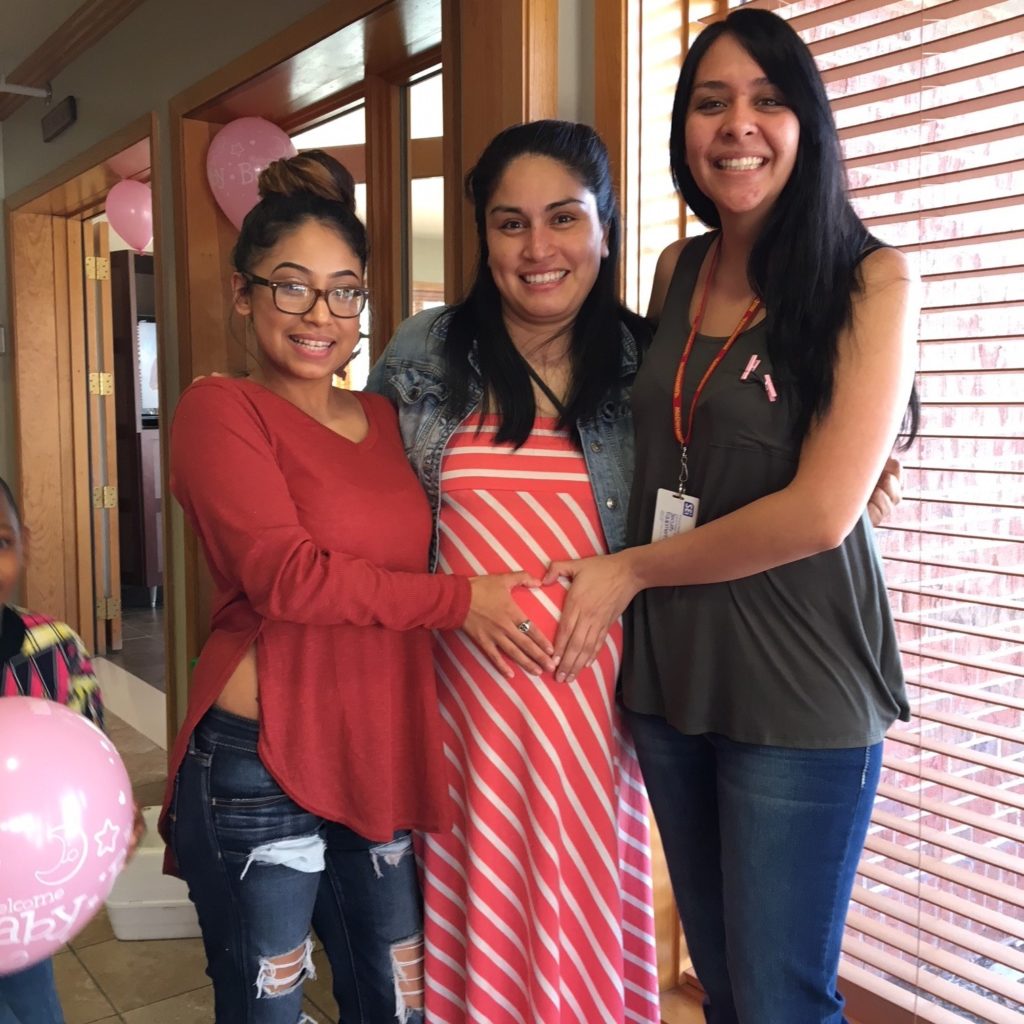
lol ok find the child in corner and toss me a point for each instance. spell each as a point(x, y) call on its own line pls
point(38, 658)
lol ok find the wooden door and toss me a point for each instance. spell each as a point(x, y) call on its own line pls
point(99, 335)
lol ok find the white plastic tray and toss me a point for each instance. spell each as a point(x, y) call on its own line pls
point(145, 903)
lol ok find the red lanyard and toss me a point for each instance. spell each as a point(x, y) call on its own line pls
point(677, 390)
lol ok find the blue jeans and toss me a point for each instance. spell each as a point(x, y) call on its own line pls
point(30, 996)
point(762, 846)
point(261, 870)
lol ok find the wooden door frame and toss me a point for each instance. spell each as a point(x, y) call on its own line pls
point(49, 383)
point(99, 334)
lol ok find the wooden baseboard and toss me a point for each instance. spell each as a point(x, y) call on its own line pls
point(684, 1006)
point(681, 1006)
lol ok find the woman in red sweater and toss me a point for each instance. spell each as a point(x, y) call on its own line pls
point(311, 744)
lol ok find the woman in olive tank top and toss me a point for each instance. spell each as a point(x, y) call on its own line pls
point(761, 667)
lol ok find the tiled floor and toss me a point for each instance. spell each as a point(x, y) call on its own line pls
point(101, 978)
point(142, 633)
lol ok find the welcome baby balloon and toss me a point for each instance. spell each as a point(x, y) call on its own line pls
point(66, 818)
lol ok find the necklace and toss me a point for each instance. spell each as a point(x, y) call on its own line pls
point(684, 437)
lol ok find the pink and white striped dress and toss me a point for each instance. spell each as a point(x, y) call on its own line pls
point(538, 903)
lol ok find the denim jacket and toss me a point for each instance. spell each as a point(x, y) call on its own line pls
point(411, 374)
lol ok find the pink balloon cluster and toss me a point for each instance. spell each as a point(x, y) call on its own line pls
point(130, 212)
point(66, 817)
point(237, 154)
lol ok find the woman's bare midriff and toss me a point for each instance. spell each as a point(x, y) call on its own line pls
point(240, 695)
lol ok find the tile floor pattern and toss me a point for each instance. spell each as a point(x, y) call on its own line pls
point(142, 651)
point(102, 980)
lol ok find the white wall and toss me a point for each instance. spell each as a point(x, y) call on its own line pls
point(428, 258)
point(576, 60)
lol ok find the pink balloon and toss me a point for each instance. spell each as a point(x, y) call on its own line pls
point(130, 212)
point(66, 816)
point(237, 154)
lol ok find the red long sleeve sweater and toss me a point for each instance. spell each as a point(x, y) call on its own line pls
point(318, 550)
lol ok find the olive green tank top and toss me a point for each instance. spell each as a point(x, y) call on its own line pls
point(804, 655)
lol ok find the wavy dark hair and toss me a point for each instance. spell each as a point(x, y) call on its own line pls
point(596, 334)
point(805, 265)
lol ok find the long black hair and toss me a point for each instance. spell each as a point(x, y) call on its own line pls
point(596, 348)
point(805, 264)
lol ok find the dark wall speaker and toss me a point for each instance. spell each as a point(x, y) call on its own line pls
point(60, 118)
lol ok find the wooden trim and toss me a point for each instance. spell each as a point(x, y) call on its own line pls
point(414, 65)
point(540, 74)
point(326, 110)
point(82, 30)
point(203, 270)
point(105, 339)
point(610, 60)
point(162, 308)
point(500, 67)
point(62, 403)
point(81, 164)
point(96, 449)
point(667, 929)
point(386, 206)
point(682, 1005)
point(79, 404)
point(204, 343)
point(35, 338)
point(426, 159)
point(459, 236)
point(352, 158)
point(611, 104)
point(864, 1005)
point(290, 41)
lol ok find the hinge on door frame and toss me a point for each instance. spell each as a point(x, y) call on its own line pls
point(104, 497)
point(97, 268)
point(101, 384)
point(108, 608)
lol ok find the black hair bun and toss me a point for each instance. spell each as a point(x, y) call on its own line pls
point(314, 172)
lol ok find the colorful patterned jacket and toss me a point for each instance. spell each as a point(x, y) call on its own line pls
point(40, 657)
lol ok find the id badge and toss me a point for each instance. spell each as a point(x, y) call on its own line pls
point(674, 513)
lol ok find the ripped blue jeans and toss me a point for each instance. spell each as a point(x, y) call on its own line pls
point(262, 872)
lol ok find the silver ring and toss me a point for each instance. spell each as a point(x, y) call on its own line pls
point(524, 626)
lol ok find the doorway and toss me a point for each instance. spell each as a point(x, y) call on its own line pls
point(76, 346)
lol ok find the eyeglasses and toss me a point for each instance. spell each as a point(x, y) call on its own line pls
point(295, 297)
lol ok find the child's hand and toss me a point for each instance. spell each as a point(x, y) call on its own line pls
point(138, 833)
